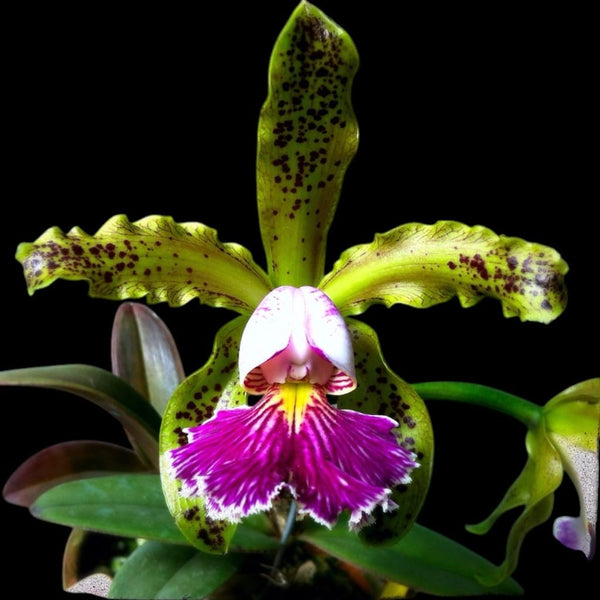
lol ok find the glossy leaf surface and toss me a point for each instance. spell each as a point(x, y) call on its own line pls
point(157, 570)
point(67, 461)
point(131, 506)
point(144, 354)
point(139, 419)
point(422, 560)
point(123, 505)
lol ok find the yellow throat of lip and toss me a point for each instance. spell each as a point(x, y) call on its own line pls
point(295, 399)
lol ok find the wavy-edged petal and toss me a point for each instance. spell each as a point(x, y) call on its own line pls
point(347, 460)
point(573, 425)
point(307, 136)
point(215, 385)
point(154, 258)
point(330, 460)
point(237, 461)
point(382, 392)
point(422, 265)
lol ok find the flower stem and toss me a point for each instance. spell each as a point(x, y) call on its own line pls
point(481, 395)
point(287, 530)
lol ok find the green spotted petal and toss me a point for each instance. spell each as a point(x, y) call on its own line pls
point(422, 265)
point(382, 392)
point(154, 258)
point(534, 491)
point(575, 414)
point(307, 136)
point(216, 384)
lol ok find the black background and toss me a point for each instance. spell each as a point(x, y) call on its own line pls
point(480, 115)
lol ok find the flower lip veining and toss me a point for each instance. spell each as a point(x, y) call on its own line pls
point(297, 335)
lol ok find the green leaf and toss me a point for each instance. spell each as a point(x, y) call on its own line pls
point(423, 560)
point(131, 506)
point(139, 419)
point(422, 265)
point(144, 354)
point(64, 462)
point(157, 570)
point(307, 136)
point(382, 392)
point(154, 258)
point(216, 384)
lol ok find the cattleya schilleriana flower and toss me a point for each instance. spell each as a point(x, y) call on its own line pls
point(295, 350)
point(562, 437)
point(295, 342)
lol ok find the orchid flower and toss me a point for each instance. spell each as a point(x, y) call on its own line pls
point(224, 456)
point(562, 437)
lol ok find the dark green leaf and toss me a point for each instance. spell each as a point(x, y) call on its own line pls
point(423, 560)
point(124, 505)
point(157, 570)
point(133, 506)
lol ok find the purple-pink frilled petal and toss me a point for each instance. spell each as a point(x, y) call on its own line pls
point(297, 335)
point(330, 460)
point(346, 460)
